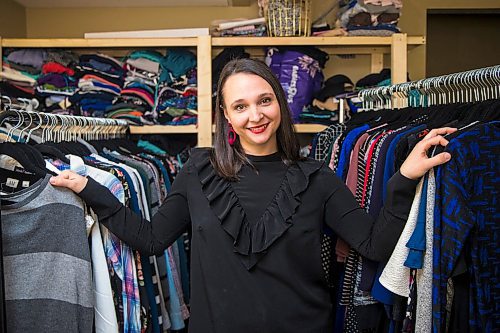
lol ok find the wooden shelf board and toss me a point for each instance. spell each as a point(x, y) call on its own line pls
point(366, 50)
point(309, 128)
point(98, 42)
point(316, 41)
point(358, 41)
point(163, 129)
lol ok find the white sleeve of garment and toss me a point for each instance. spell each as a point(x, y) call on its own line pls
point(396, 275)
point(105, 315)
point(424, 276)
point(52, 168)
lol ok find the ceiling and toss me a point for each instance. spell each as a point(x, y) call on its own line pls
point(129, 3)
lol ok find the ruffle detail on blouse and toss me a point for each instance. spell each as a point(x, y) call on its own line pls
point(252, 240)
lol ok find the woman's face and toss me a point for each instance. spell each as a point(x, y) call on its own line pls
point(251, 107)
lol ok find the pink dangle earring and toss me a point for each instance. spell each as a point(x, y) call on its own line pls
point(231, 135)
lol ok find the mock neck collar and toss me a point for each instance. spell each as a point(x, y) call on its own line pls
point(274, 157)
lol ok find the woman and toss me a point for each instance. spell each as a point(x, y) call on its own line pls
point(256, 211)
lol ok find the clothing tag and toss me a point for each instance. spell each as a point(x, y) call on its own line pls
point(22, 170)
point(26, 183)
point(11, 182)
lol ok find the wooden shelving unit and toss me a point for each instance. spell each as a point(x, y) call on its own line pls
point(316, 41)
point(202, 45)
point(163, 129)
point(397, 46)
point(97, 42)
point(309, 128)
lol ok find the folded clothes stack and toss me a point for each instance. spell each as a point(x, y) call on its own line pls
point(369, 17)
point(239, 27)
point(324, 107)
point(177, 101)
point(20, 70)
point(136, 99)
point(145, 87)
point(100, 80)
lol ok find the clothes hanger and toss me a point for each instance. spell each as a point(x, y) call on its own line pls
point(50, 151)
point(30, 159)
point(66, 140)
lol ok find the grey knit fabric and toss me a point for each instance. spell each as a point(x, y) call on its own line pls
point(48, 280)
point(423, 321)
point(395, 275)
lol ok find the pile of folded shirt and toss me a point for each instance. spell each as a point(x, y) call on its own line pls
point(239, 27)
point(100, 81)
point(324, 107)
point(177, 102)
point(137, 98)
point(147, 87)
point(383, 78)
point(56, 83)
point(46, 75)
point(369, 17)
point(20, 70)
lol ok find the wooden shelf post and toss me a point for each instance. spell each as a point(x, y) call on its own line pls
point(377, 62)
point(399, 63)
point(1, 55)
point(204, 61)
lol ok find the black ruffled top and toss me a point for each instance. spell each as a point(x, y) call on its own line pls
point(253, 237)
point(256, 243)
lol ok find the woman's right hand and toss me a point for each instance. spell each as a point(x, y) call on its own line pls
point(71, 180)
point(418, 163)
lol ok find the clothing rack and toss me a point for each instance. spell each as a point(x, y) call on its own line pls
point(54, 127)
point(58, 127)
point(463, 87)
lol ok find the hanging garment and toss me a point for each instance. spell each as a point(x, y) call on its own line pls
point(105, 315)
point(465, 221)
point(48, 278)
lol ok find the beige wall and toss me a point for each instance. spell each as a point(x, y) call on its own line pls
point(74, 22)
point(414, 22)
point(12, 19)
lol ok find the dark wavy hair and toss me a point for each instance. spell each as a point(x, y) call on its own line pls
point(228, 160)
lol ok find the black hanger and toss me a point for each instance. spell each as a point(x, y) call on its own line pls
point(443, 115)
point(130, 146)
point(97, 144)
point(30, 159)
point(492, 112)
point(73, 148)
point(51, 152)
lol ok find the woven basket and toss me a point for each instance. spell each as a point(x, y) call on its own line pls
point(289, 18)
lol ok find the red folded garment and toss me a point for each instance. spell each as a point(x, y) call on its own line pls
point(54, 67)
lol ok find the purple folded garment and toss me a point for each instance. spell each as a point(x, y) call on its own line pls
point(28, 57)
point(57, 80)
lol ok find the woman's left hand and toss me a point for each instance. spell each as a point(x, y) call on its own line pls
point(417, 163)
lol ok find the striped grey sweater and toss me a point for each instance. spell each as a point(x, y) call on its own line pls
point(48, 281)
